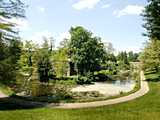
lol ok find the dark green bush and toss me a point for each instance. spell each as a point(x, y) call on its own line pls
point(83, 80)
point(101, 76)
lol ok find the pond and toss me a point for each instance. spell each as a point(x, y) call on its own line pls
point(109, 88)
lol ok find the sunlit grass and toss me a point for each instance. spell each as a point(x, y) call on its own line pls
point(143, 108)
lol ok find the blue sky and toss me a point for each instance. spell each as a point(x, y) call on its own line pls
point(115, 21)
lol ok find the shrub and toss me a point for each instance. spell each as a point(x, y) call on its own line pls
point(87, 79)
point(61, 91)
point(102, 76)
point(40, 90)
point(86, 95)
point(83, 80)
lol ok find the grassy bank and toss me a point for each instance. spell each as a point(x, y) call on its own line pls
point(6, 90)
point(152, 76)
point(144, 108)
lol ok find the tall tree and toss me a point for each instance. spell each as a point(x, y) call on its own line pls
point(150, 57)
point(43, 62)
point(10, 9)
point(9, 45)
point(86, 51)
point(9, 56)
point(132, 57)
point(151, 16)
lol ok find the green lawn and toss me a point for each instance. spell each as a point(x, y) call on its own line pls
point(144, 108)
point(154, 76)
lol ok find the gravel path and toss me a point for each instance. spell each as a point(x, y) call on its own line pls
point(143, 90)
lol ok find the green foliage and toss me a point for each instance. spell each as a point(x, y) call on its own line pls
point(143, 108)
point(27, 57)
point(43, 64)
point(5, 89)
point(87, 79)
point(10, 9)
point(83, 80)
point(150, 56)
point(58, 90)
point(61, 64)
point(133, 57)
point(9, 45)
point(153, 76)
point(122, 56)
point(38, 89)
point(86, 51)
point(84, 96)
point(8, 61)
point(151, 16)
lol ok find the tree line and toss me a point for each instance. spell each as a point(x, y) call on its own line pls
point(150, 56)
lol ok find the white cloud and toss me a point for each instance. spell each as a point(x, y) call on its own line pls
point(85, 4)
point(106, 6)
point(129, 10)
point(41, 9)
point(38, 36)
point(63, 35)
point(60, 37)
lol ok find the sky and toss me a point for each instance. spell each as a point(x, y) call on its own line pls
point(115, 21)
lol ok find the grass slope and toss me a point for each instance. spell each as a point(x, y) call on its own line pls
point(144, 108)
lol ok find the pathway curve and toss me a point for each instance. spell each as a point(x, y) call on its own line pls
point(143, 90)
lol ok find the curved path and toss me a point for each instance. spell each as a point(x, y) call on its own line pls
point(143, 90)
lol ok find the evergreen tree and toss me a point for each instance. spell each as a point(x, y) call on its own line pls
point(43, 62)
point(151, 16)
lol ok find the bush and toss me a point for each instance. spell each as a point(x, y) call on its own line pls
point(87, 79)
point(102, 76)
point(39, 89)
point(86, 95)
point(61, 91)
point(83, 80)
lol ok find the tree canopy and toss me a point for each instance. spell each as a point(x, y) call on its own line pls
point(151, 17)
point(86, 51)
point(10, 9)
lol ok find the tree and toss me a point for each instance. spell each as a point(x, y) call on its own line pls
point(10, 9)
point(9, 56)
point(122, 56)
point(10, 46)
point(86, 52)
point(43, 62)
point(150, 57)
point(123, 62)
point(151, 16)
point(27, 56)
point(132, 57)
point(61, 64)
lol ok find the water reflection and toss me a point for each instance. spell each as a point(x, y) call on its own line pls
point(121, 83)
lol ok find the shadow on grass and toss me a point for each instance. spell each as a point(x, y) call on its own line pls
point(153, 80)
point(16, 103)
